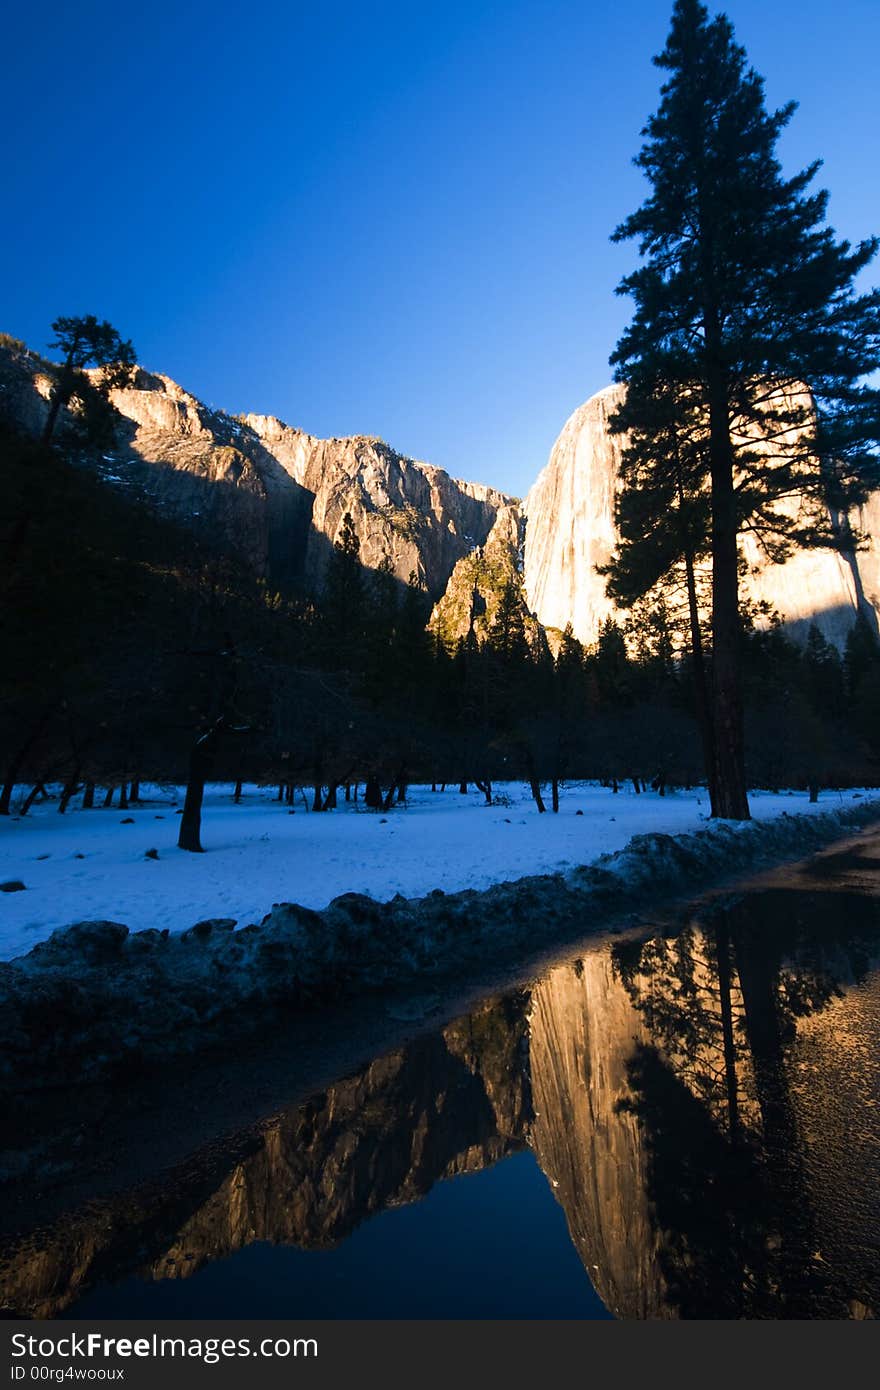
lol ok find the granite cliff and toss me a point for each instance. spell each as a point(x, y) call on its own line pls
point(479, 580)
point(277, 497)
point(570, 529)
point(272, 493)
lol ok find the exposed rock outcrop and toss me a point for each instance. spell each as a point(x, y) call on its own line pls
point(570, 530)
point(478, 582)
point(570, 526)
point(275, 495)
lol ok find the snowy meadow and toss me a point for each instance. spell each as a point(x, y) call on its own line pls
point(92, 865)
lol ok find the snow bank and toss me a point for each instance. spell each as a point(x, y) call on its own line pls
point(92, 865)
point(96, 998)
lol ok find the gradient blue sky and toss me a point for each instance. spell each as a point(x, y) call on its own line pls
point(369, 218)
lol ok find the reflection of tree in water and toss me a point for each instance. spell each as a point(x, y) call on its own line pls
point(700, 1200)
point(711, 1089)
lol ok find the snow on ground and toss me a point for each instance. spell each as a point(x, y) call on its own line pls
point(89, 865)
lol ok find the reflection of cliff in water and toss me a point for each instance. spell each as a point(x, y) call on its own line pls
point(453, 1102)
point(584, 1029)
point(703, 1103)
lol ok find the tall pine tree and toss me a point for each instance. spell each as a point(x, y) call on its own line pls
point(743, 299)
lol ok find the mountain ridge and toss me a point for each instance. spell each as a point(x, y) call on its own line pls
point(269, 490)
point(278, 495)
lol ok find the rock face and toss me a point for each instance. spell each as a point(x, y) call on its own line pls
point(417, 515)
point(277, 497)
point(478, 582)
point(570, 526)
point(570, 529)
point(274, 494)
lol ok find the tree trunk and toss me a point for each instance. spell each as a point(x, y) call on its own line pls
point(6, 794)
point(134, 792)
point(88, 800)
point(61, 395)
point(71, 786)
point(18, 762)
point(108, 799)
point(200, 759)
point(727, 712)
point(814, 793)
point(637, 786)
point(189, 837)
point(281, 790)
point(318, 799)
point(236, 795)
point(123, 795)
point(31, 797)
point(55, 405)
point(701, 691)
point(462, 788)
point(331, 801)
point(555, 793)
point(535, 786)
point(486, 789)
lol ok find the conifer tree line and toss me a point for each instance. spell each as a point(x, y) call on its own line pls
point(137, 655)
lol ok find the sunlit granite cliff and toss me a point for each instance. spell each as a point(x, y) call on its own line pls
point(277, 496)
point(274, 494)
point(570, 530)
point(480, 580)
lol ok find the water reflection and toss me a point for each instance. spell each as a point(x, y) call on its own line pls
point(743, 1205)
point(703, 1104)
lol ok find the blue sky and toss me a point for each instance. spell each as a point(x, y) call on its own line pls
point(386, 219)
